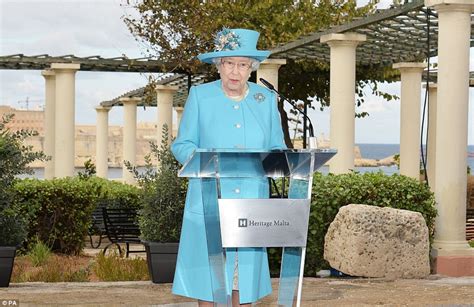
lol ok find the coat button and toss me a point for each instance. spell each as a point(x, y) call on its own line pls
point(237, 191)
point(236, 106)
point(238, 126)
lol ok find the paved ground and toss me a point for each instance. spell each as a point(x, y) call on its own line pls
point(434, 291)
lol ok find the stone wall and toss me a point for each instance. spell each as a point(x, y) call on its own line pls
point(85, 144)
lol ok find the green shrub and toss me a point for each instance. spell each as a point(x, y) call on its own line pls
point(163, 194)
point(119, 195)
point(331, 192)
point(60, 210)
point(14, 160)
point(12, 227)
point(115, 268)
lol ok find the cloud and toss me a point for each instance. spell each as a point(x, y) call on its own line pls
point(66, 27)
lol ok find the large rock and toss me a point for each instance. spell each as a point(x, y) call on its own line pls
point(371, 241)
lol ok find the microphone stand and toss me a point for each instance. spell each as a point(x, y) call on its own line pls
point(312, 141)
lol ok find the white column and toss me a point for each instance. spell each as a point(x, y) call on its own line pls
point(49, 121)
point(102, 141)
point(268, 70)
point(129, 136)
point(179, 114)
point(164, 106)
point(454, 18)
point(410, 118)
point(342, 92)
point(431, 154)
point(65, 119)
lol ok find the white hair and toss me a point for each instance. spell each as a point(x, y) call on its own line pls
point(254, 63)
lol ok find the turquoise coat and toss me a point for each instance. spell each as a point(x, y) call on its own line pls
point(212, 120)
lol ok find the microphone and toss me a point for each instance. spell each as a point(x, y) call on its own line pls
point(272, 88)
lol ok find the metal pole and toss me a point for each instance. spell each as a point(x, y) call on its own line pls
point(305, 125)
point(303, 250)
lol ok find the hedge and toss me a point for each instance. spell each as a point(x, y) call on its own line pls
point(331, 192)
point(59, 210)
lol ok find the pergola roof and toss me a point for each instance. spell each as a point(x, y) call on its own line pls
point(90, 63)
point(393, 35)
point(399, 34)
point(180, 80)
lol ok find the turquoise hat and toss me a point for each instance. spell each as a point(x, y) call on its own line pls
point(235, 42)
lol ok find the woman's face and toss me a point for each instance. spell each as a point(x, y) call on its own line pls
point(234, 72)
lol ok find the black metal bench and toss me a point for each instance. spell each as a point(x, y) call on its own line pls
point(121, 227)
point(97, 227)
point(470, 224)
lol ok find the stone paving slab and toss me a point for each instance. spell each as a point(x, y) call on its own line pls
point(434, 291)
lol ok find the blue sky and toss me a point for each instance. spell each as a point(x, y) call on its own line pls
point(94, 27)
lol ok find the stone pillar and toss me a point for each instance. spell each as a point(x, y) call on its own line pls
point(179, 114)
point(268, 70)
point(454, 19)
point(164, 106)
point(49, 121)
point(342, 92)
point(65, 119)
point(431, 154)
point(410, 118)
point(102, 141)
point(129, 136)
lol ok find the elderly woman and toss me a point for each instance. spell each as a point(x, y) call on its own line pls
point(228, 113)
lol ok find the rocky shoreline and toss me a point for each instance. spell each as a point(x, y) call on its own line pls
point(388, 161)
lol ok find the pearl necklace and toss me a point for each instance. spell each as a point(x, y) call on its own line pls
point(239, 97)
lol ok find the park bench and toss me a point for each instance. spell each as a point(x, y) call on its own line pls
point(121, 227)
point(97, 227)
point(470, 224)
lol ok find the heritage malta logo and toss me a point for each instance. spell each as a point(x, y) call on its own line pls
point(245, 223)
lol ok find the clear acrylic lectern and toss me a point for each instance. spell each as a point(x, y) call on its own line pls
point(270, 222)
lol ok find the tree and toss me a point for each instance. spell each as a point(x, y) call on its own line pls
point(14, 160)
point(177, 31)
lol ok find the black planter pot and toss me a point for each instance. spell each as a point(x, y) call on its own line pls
point(7, 256)
point(161, 259)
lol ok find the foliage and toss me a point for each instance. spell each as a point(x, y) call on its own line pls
point(89, 170)
point(61, 268)
point(39, 253)
point(396, 158)
point(118, 195)
point(177, 31)
point(14, 160)
point(12, 227)
point(115, 268)
point(56, 268)
point(163, 194)
point(331, 192)
point(60, 210)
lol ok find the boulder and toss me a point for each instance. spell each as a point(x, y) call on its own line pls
point(371, 241)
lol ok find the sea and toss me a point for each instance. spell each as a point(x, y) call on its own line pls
point(368, 151)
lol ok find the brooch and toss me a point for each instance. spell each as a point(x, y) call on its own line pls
point(226, 40)
point(259, 97)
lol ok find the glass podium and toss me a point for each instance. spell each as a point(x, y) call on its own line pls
point(257, 222)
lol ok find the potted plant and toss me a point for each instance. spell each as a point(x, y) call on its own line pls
point(14, 160)
point(161, 215)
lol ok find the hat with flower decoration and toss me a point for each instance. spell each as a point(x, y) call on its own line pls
point(235, 43)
